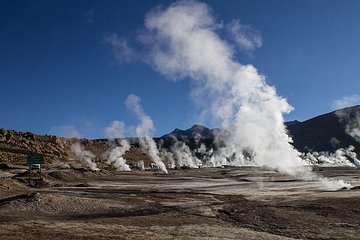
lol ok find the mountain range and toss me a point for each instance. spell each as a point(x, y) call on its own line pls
point(327, 132)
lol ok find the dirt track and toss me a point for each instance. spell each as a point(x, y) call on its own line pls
point(221, 203)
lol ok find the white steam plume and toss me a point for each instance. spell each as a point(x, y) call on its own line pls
point(204, 152)
point(333, 184)
point(115, 130)
point(84, 155)
point(341, 157)
point(185, 43)
point(115, 155)
point(245, 36)
point(169, 158)
point(351, 116)
point(347, 101)
point(116, 158)
point(183, 156)
point(144, 131)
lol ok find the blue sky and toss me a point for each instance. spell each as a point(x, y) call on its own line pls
point(58, 74)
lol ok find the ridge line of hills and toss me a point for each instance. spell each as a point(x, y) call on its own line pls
point(326, 132)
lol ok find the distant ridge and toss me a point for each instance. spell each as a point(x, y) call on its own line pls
point(290, 123)
point(325, 132)
point(196, 131)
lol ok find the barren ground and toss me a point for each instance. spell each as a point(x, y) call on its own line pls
point(217, 203)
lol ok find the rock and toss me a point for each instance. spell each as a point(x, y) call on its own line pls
point(29, 136)
point(7, 166)
point(56, 153)
point(8, 137)
point(6, 175)
point(35, 196)
point(3, 131)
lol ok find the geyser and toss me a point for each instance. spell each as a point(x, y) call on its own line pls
point(185, 43)
point(145, 130)
point(85, 156)
point(118, 146)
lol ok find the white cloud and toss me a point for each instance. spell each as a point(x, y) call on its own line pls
point(346, 101)
point(120, 48)
point(245, 36)
point(67, 131)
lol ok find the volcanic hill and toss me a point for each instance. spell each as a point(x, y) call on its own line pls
point(327, 132)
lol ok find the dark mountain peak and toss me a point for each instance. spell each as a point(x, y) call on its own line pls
point(198, 127)
point(290, 123)
point(326, 132)
point(318, 133)
point(196, 131)
point(341, 116)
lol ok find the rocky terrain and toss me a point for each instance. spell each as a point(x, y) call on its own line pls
point(15, 146)
point(72, 202)
point(322, 133)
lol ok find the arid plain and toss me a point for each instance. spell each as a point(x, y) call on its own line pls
point(207, 203)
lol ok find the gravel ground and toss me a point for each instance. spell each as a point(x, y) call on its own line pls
point(217, 203)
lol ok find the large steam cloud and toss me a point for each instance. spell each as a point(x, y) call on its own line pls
point(185, 43)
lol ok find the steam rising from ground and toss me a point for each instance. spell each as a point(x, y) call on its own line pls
point(352, 118)
point(144, 131)
point(342, 157)
point(85, 156)
point(183, 155)
point(185, 43)
point(116, 158)
point(333, 184)
point(115, 154)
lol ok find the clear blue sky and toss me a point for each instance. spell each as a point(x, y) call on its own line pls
point(56, 71)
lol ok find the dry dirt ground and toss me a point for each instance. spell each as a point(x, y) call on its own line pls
point(213, 203)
